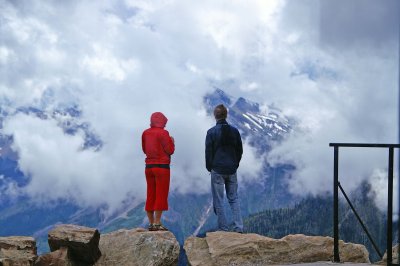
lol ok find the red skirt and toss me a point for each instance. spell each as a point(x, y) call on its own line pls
point(157, 189)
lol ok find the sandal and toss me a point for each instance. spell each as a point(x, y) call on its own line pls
point(160, 227)
point(152, 227)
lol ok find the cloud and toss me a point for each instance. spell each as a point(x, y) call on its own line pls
point(103, 65)
point(119, 62)
point(343, 88)
point(375, 24)
point(56, 162)
point(379, 188)
point(6, 55)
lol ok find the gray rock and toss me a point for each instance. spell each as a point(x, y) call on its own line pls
point(227, 248)
point(82, 242)
point(59, 257)
point(138, 247)
point(17, 251)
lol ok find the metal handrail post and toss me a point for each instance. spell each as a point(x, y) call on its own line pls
point(390, 196)
point(336, 257)
point(390, 208)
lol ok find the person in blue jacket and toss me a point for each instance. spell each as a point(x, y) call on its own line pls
point(224, 151)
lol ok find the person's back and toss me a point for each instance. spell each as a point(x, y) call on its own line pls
point(158, 146)
point(223, 148)
point(223, 154)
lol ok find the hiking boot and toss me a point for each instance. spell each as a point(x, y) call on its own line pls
point(160, 227)
point(152, 227)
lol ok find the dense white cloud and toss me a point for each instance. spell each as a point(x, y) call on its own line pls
point(122, 61)
point(104, 66)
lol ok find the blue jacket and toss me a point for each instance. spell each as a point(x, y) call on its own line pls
point(223, 148)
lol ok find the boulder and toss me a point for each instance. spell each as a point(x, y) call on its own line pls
point(59, 257)
point(138, 247)
point(82, 242)
point(228, 248)
point(319, 248)
point(17, 251)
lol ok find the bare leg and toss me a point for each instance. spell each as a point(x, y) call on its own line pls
point(158, 217)
point(150, 215)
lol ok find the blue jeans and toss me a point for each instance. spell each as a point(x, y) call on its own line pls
point(219, 183)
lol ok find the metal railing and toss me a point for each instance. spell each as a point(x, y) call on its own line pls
point(337, 186)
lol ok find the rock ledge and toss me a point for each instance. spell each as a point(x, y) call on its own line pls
point(227, 248)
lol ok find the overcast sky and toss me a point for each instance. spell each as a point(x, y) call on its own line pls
point(331, 65)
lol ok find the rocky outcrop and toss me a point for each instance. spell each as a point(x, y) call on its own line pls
point(17, 250)
point(73, 245)
point(82, 242)
point(138, 247)
point(227, 248)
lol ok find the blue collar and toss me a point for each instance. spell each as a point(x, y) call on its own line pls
point(222, 121)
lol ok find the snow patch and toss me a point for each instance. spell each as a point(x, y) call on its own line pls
point(251, 120)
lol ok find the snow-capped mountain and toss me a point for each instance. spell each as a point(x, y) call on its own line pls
point(260, 125)
point(249, 117)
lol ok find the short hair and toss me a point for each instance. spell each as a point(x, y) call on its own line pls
point(220, 112)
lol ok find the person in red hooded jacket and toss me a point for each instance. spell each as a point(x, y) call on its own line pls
point(158, 146)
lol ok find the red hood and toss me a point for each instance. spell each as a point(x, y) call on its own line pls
point(158, 119)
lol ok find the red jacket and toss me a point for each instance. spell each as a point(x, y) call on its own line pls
point(156, 142)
